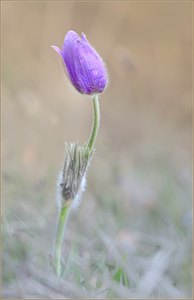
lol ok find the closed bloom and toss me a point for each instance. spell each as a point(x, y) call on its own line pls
point(84, 67)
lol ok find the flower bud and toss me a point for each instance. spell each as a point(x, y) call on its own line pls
point(84, 67)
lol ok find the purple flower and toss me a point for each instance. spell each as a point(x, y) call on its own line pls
point(85, 68)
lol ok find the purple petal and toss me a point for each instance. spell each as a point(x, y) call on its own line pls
point(57, 50)
point(85, 68)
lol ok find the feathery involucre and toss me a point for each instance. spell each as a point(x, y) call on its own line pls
point(72, 179)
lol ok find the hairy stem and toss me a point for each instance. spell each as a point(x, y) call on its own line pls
point(96, 123)
point(59, 238)
point(65, 209)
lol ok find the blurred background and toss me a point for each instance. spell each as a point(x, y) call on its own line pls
point(131, 236)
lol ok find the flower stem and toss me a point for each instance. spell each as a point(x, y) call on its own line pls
point(96, 122)
point(62, 219)
point(59, 238)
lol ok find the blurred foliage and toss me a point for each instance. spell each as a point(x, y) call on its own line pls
point(132, 235)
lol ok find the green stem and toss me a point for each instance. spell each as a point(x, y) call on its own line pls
point(65, 209)
point(59, 238)
point(96, 123)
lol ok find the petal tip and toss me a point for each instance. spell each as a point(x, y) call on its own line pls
point(57, 49)
point(84, 37)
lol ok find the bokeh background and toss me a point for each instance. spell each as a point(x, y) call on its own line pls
point(131, 236)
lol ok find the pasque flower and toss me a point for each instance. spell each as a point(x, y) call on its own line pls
point(84, 67)
point(88, 74)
